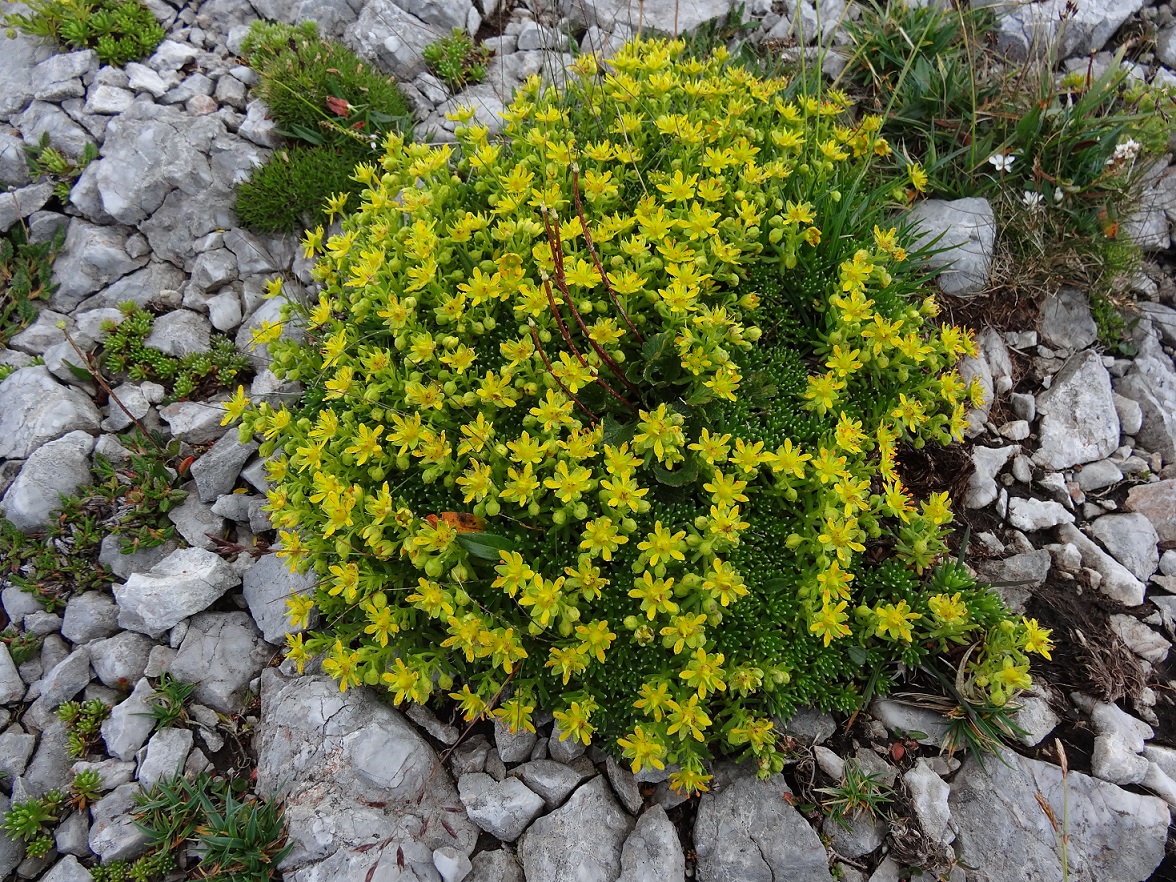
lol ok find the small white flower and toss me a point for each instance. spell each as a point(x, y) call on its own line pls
point(1059, 194)
point(1032, 200)
point(1125, 152)
point(1001, 161)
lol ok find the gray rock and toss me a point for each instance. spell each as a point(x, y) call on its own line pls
point(536, 36)
point(121, 660)
point(108, 100)
point(214, 269)
point(19, 55)
point(581, 841)
point(110, 555)
point(15, 749)
point(14, 167)
point(1028, 514)
point(92, 258)
point(453, 865)
point(925, 726)
point(1032, 30)
point(36, 409)
point(352, 771)
point(268, 583)
point(54, 470)
point(427, 720)
point(128, 403)
point(130, 723)
point(495, 866)
point(1117, 581)
point(1140, 639)
point(166, 752)
point(1151, 382)
point(41, 118)
point(653, 853)
point(624, 785)
point(658, 15)
point(987, 463)
point(72, 837)
point(1156, 502)
point(252, 257)
point(22, 203)
point(471, 755)
point(197, 422)
point(66, 679)
point(143, 79)
point(182, 221)
point(171, 55)
point(143, 286)
point(224, 310)
point(1130, 414)
point(447, 14)
point(811, 725)
point(387, 34)
point(182, 584)
point(501, 808)
point(257, 127)
point(1014, 578)
point(43, 333)
point(1098, 475)
point(513, 747)
point(196, 522)
point(553, 781)
point(18, 604)
point(59, 76)
point(1131, 540)
point(216, 471)
point(221, 654)
point(749, 830)
point(1077, 418)
point(12, 687)
point(180, 333)
point(968, 229)
point(861, 835)
point(1113, 760)
point(113, 835)
point(1066, 322)
point(67, 870)
point(49, 768)
point(929, 794)
point(1002, 832)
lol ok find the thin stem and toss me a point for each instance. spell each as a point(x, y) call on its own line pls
point(101, 381)
point(596, 258)
point(547, 362)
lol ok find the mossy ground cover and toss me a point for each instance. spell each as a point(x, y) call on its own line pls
point(331, 105)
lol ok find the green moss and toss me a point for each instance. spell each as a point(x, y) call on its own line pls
point(332, 105)
point(456, 60)
point(117, 30)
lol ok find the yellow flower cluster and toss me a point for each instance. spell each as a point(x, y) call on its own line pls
point(520, 463)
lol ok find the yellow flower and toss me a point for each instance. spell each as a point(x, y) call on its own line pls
point(704, 673)
point(894, 620)
point(1037, 639)
point(574, 722)
point(235, 406)
point(644, 749)
point(918, 177)
point(343, 665)
point(948, 608)
point(829, 623)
